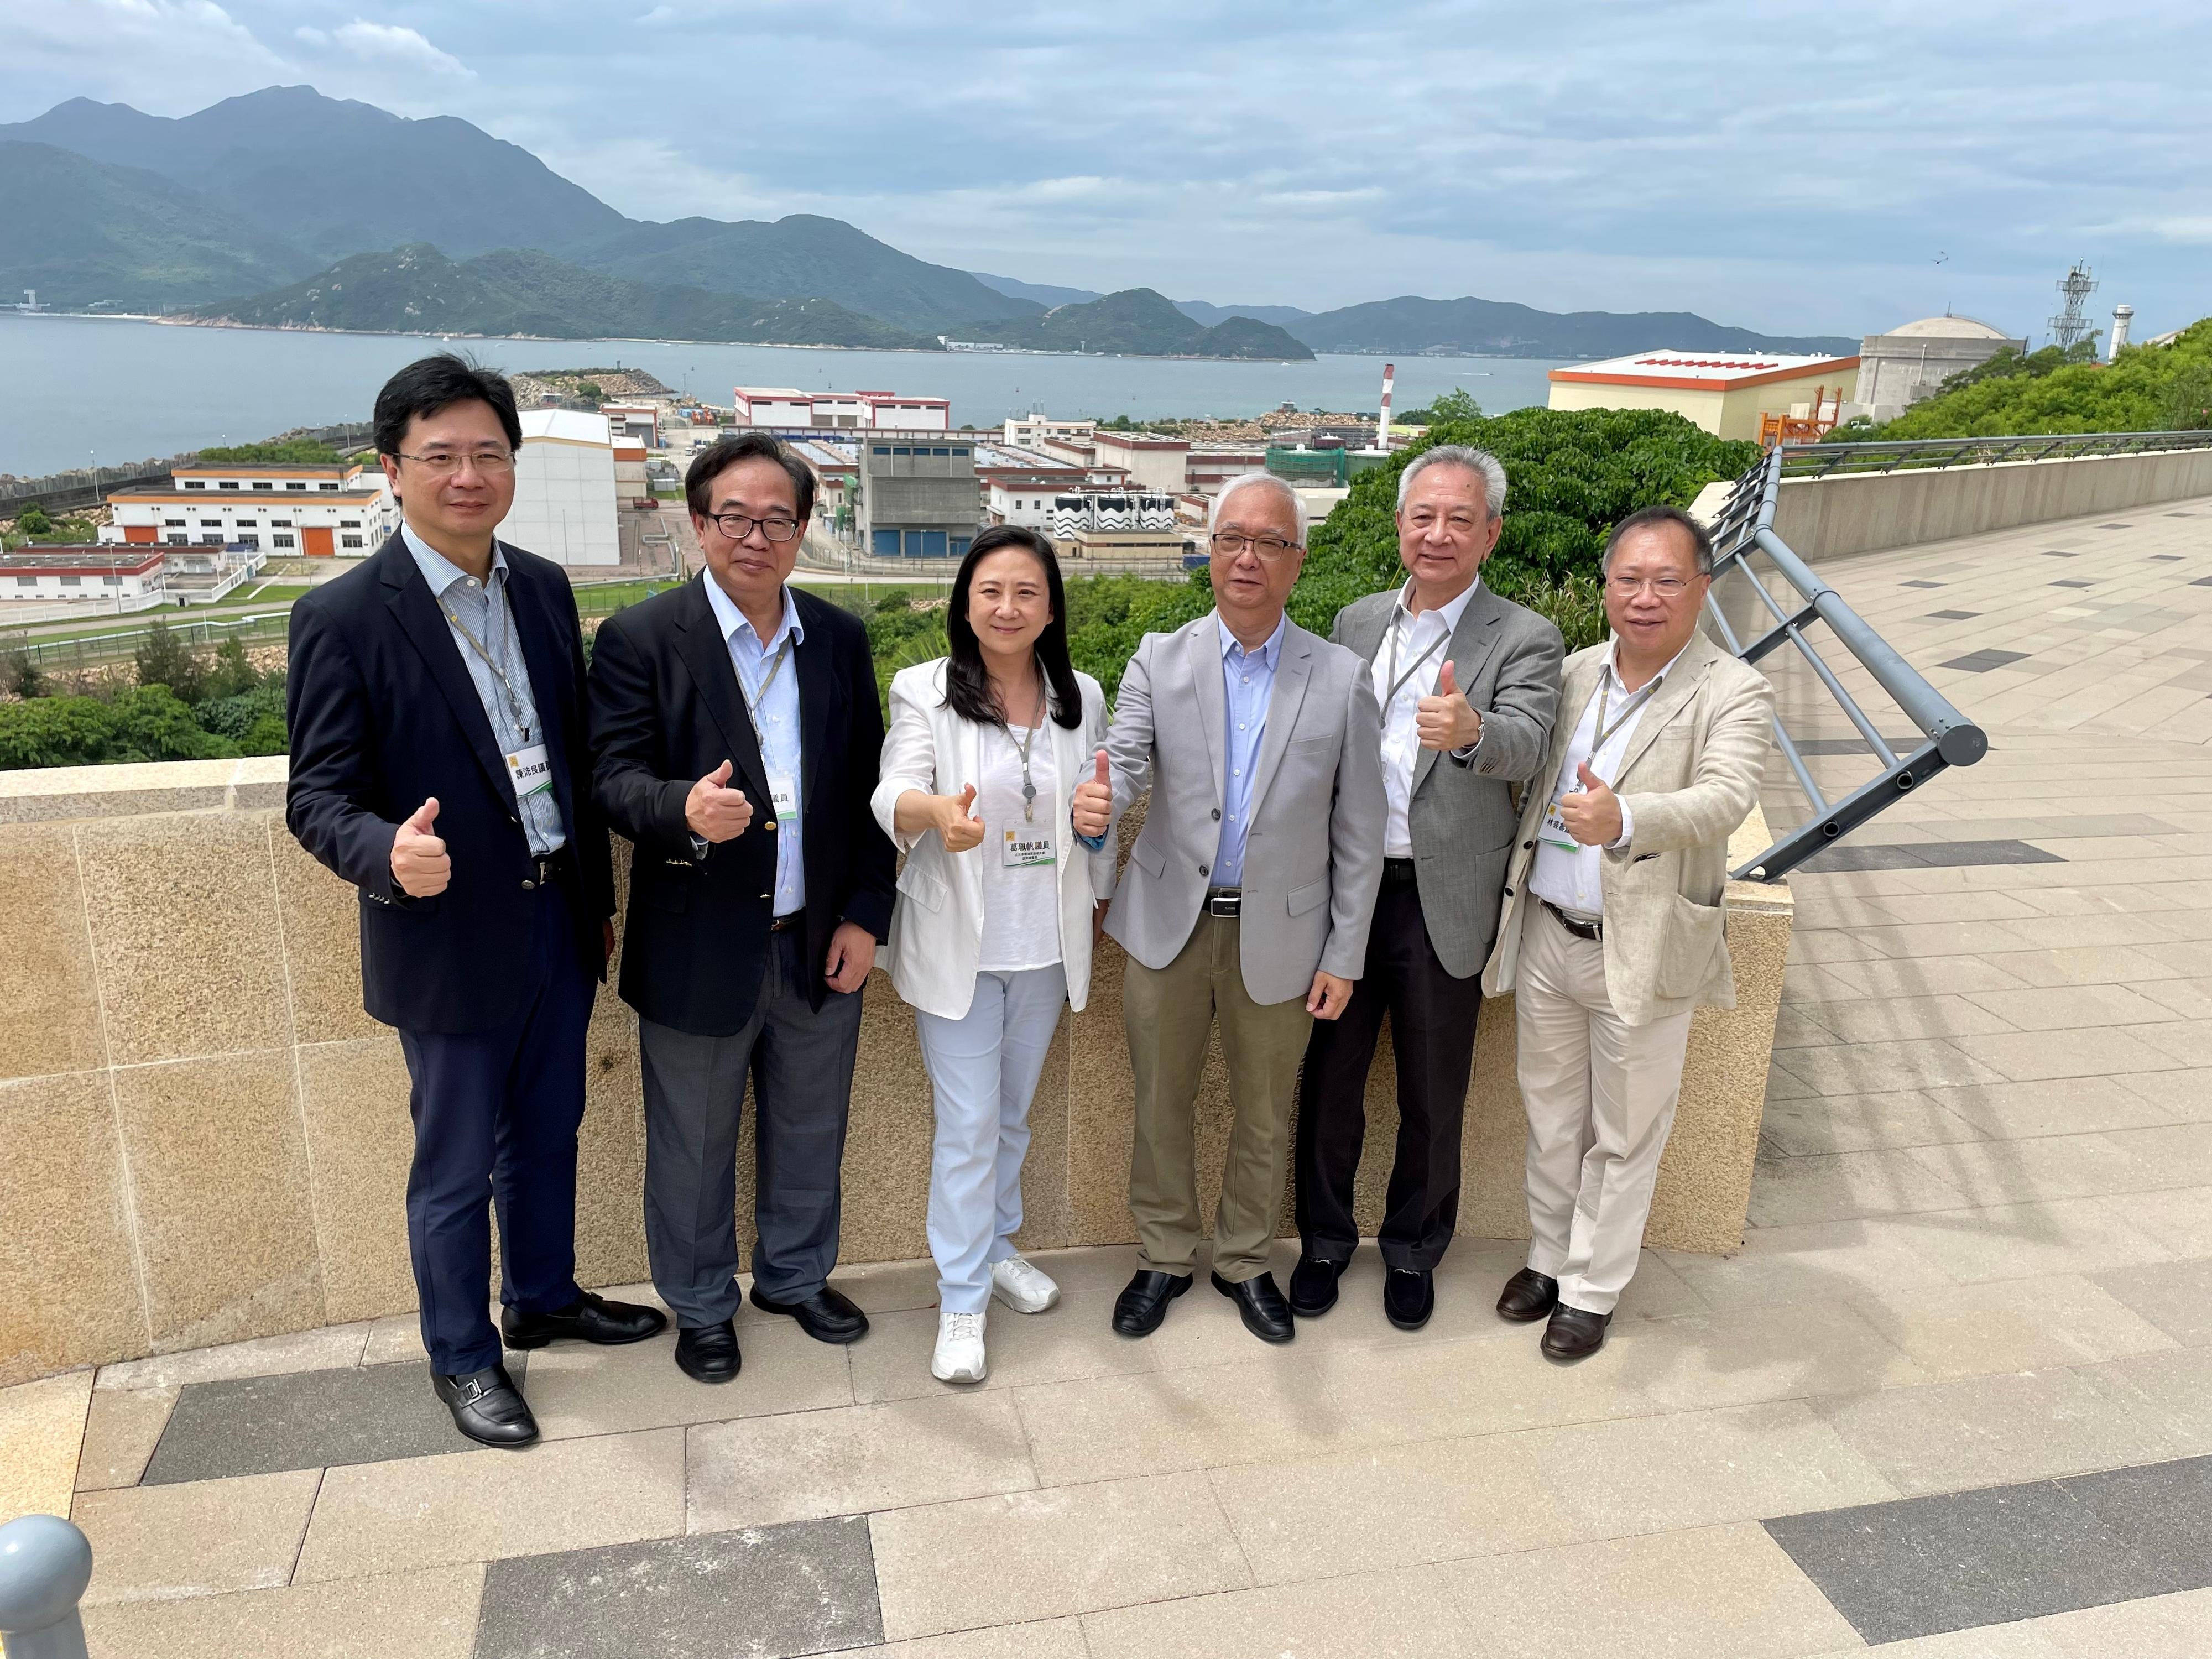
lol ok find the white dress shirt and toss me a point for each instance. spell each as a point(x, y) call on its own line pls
point(1411, 635)
point(1574, 879)
point(775, 723)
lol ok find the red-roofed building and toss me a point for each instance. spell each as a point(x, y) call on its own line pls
point(1726, 393)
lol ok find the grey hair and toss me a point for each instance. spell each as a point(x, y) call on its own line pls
point(1241, 480)
point(1653, 517)
point(1481, 462)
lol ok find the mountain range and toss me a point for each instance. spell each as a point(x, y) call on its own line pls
point(244, 206)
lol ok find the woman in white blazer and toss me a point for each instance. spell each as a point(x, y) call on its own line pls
point(981, 788)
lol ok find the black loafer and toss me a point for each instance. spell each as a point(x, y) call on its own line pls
point(827, 1315)
point(1527, 1296)
point(1313, 1285)
point(1409, 1296)
point(1144, 1301)
point(1260, 1304)
point(487, 1406)
point(592, 1319)
point(1574, 1334)
point(709, 1354)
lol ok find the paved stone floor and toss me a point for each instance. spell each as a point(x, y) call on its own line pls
point(1954, 1396)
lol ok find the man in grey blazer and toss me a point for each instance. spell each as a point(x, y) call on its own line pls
point(1468, 684)
point(1247, 898)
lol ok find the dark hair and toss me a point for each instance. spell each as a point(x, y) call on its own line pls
point(431, 384)
point(731, 448)
point(1646, 517)
point(967, 682)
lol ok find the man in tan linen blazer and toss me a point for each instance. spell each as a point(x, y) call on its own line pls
point(1612, 933)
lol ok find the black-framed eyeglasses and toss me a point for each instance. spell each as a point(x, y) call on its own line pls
point(443, 463)
point(738, 526)
point(1231, 544)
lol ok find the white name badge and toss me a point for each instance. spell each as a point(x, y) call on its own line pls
point(783, 795)
point(530, 770)
point(1025, 845)
point(1555, 830)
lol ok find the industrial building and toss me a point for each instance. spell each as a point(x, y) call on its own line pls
point(640, 422)
point(917, 501)
point(338, 509)
point(1726, 393)
point(108, 578)
point(1032, 430)
point(565, 489)
point(1902, 367)
point(783, 407)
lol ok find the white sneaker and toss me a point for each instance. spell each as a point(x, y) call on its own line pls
point(1021, 1287)
point(959, 1357)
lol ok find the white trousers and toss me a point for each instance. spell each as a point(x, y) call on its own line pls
point(1600, 1095)
point(984, 1068)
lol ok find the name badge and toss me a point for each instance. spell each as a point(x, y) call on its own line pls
point(1554, 831)
point(530, 770)
point(783, 795)
point(1025, 845)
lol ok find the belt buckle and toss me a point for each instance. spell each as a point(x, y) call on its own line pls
point(1224, 904)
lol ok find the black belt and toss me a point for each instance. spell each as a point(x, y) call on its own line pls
point(1223, 901)
point(788, 922)
point(558, 865)
point(1582, 930)
point(1397, 870)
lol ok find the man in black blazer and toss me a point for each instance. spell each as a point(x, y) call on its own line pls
point(439, 765)
point(736, 735)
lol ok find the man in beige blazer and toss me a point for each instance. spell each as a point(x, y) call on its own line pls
point(1614, 929)
point(1247, 898)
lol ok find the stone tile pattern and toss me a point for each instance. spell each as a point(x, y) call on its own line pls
point(214, 1137)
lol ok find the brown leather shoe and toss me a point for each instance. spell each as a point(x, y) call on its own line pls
point(1574, 1334)
point(1527, 1296)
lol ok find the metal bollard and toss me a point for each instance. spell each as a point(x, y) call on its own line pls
point(45, 1564)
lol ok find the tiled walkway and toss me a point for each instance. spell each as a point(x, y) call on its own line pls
point(1959, 1379)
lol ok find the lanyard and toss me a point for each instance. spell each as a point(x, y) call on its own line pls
point(775, 668)
point(1629, 710)
point(513, 702)
point(1023, 748)
point(1397, 680)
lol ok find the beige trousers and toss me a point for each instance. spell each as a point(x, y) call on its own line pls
point(1168, 1011)
point(1600, 1095)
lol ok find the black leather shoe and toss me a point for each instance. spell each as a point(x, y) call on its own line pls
point(1313, 1285)
point(592, 1319)
point(1260, 1304)
point(827, 1315)
point(1527, 1296)
point(1573, 1334)
point(709, 1354)
point(1144, 1301)
point(487, 1406)
point(1409, 1296)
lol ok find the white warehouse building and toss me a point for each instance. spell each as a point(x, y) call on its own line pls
point(564, 490)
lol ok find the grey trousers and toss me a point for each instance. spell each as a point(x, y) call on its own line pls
point(801, 1067)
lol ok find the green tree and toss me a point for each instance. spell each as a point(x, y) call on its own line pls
point(165, 660)
point(234, 674)
point(21, 674)
point(253, 720)
point(33, 520)
point(289, 452)
point(146, 723)
point(1457, 404)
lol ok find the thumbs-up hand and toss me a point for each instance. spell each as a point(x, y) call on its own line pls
point(1591, 814)
point(1444, 719)
point(1093, 808)
point(960, 831)
point(714, 812)
point(419, 861)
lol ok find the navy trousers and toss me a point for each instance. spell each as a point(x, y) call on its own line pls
point(495, 1117)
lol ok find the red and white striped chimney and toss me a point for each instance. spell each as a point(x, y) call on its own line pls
point(1383, 425)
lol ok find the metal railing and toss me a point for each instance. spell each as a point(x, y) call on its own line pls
point(83, 650)
point(1922, 455)
point(1948, 738)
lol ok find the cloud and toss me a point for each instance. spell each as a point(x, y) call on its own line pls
point(390, 43)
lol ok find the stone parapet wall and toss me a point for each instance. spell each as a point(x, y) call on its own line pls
point(206, 1139)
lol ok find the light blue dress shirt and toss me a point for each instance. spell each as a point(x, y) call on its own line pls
point(483, 610)
point(1248, 678)
point(775, 723)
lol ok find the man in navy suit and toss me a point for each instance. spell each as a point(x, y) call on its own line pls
point(440, 764)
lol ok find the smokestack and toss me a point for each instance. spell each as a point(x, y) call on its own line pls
point(2122, 316)
point(1383, 425)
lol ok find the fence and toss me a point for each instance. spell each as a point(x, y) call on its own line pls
point(1744, 526)
point(1921, 454)
point(86, 650)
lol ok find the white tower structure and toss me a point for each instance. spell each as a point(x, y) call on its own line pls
point(1382, 423)
point(2122, 316)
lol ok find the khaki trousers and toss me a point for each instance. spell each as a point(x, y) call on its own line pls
point(1168, 1011)
point(1600, 1095)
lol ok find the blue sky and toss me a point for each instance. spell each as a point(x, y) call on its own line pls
point(1788, 167)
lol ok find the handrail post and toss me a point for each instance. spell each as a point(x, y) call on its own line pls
point(45, 1564)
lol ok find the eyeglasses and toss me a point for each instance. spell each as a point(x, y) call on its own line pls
point(443, 465)
point(1230, 544)
point(1667, 587)
point(737, 527)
